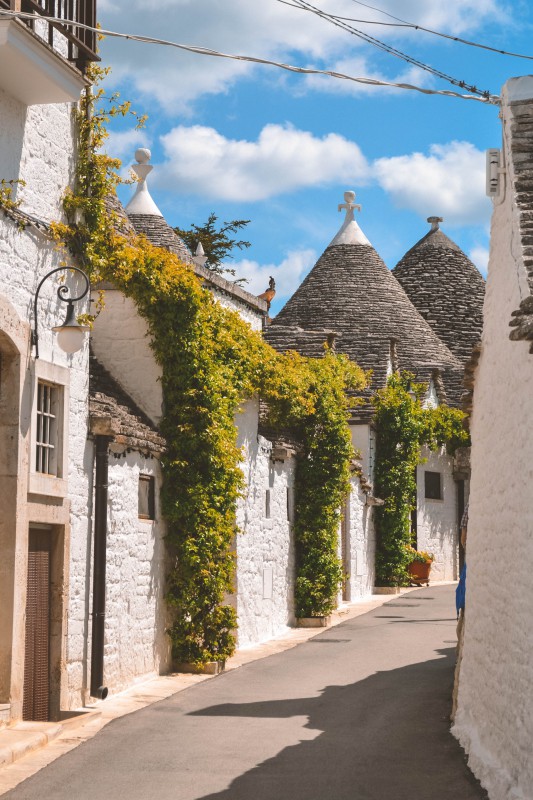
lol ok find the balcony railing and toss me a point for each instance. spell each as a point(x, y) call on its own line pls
point(79, 43)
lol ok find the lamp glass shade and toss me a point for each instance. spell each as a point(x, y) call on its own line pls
point(70, 338)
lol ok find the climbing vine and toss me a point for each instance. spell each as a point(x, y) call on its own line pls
point(211, 361)
point(8, 204)
point(403, 427)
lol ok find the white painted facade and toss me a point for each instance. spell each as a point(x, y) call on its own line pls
point(361, 545)
point(494, 720)
point(121, 344)
point(437, 519)
point(265, 573)
point(136, 644)
point(264, 582)
point(359, 561)
point(37, 145)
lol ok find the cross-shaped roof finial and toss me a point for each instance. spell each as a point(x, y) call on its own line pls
point(349, 204)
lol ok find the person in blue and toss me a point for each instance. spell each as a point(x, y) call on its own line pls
point(460, 603)
point(460, 592)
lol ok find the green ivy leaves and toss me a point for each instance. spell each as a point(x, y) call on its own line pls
point(403, 426)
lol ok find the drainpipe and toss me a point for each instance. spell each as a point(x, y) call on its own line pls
point(99, 571)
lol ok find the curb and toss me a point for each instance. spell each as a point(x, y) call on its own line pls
point(22, 738)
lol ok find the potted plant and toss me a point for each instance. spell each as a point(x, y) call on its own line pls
point(419, 566)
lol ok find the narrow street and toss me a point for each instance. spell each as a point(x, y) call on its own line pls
point(360, 712)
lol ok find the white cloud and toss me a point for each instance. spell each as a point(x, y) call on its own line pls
point(480, 257)
point(283, 159)
point(449, 182)
point(265, 29)
point(360, 67)
point(122, 144)
point(454, 16)
point(288, 274)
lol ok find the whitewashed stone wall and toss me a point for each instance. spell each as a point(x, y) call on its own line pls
point(264, 596)
point(494, 720)
point(121, 344)
point(136, 645)
point(362, 545)
point(437, 522)
point(37, 145)
point(265, 548)
point(249, 315)
point(362, 539)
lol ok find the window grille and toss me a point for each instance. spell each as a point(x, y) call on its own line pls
point(46, 435)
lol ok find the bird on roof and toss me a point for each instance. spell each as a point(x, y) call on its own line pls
point(269, 294)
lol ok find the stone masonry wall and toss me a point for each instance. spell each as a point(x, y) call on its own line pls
point(494, 720)
point(251, 316)
point(37, 145)
point(121, 344)
point(361, 543)
point(437, 523)
point(135, 641)
point(362, 539)
point(265, 548)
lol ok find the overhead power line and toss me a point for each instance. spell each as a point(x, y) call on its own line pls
point(205, 51)
point(387, 48)
point(414, 26)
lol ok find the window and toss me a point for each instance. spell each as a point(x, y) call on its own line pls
point(267, 504)
point(290, 503)
point(146, 497)
point(49, 430)
point(433, 485)
point(46, 438)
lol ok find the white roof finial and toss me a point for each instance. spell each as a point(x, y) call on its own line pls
point(141, 202)
point(199, 257)
point(349, 205)
point(435, 222)
point(350, 233)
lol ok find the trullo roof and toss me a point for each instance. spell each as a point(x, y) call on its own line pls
point(351, 291)
point(446, 289)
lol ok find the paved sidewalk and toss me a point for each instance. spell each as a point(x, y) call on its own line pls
point(29, 746)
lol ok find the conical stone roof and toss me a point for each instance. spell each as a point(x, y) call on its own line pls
point(446, 289)
point(351, 291)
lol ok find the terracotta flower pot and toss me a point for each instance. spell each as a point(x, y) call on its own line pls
point(419, 572)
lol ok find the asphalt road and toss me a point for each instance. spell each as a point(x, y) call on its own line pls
point(360, 712)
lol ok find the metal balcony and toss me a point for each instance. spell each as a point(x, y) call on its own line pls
point(44, 60)
point(80, 43)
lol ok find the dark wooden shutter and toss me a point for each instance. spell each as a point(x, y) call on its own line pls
point(37, 655)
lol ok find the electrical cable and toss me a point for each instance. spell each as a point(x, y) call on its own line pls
point(483, 98)
point(413, 26)
point(388, 48)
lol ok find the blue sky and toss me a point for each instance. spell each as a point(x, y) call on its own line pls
point(254, 142)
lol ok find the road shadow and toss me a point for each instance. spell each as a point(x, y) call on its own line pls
point(386, 736)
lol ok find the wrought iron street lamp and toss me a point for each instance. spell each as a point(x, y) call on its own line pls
point(70, 334)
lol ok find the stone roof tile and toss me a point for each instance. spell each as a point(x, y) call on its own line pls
point(158, 232)
point(108, 401)
point(446, 289)
point(520, 172)
point(351, 291)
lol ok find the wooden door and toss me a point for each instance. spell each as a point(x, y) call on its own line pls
point(36, 705)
